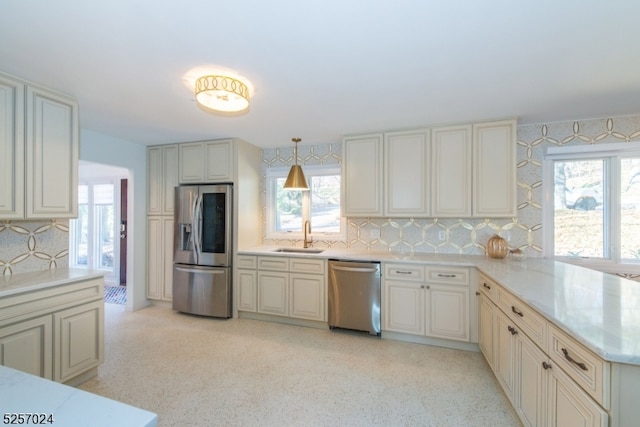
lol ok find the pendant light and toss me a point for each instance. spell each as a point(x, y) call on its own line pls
point(296, 180)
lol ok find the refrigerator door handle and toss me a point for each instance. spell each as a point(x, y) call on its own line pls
point(197, 214)
point(200, 270)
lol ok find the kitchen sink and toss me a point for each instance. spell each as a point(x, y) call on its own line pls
point(299, 250)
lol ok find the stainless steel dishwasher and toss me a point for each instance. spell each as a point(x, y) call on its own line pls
point(354, 295)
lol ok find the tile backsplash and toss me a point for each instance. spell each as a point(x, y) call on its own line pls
point(466, 235)
point(33, 245)
point(38, 245)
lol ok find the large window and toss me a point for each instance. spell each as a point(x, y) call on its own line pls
point(592, 213)
point(288, 210)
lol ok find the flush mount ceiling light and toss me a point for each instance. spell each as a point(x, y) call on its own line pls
point(296, 179)
point(222, 93)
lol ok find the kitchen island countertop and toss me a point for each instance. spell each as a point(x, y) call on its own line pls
point(22, 393)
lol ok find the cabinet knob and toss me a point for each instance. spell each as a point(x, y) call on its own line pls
point(545, 365)
point(512, 330)
point(486, 286)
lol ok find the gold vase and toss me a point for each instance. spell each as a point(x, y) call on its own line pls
point(497, 247)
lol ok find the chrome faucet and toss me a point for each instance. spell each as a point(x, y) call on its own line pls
point(307, 232)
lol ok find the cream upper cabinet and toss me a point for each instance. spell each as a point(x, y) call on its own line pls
point(162, 178)
point(494, 169)
point(219, 161)
point(451, 170)
point(206, 162)
point(406, 173)
point(11, 148)
point(362, 179)
point(52, 155)
point(461, 171)
point(39, 148)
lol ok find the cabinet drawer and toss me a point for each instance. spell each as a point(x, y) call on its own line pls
point(488, 287)
point(247, 261)
point(587, 369)
point(273, 263)
point(448, 275)
point(306, 265)
point(404, 272)
point(524, 317)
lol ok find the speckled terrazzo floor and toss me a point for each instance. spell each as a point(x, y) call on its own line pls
point(195, 371)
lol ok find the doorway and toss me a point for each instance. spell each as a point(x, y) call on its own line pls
point(97, 238)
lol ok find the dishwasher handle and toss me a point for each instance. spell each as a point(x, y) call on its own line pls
point(355, 269)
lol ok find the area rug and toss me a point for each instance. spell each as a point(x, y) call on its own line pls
point(115, 294)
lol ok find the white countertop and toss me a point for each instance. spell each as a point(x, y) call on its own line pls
point(26, 282)
point(25, 393)
point(362, 255)
point(600, 310)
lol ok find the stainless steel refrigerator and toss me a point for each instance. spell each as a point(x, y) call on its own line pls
point(203, 250)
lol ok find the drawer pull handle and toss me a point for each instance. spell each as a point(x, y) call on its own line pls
point(570, 359)
point(486, 286)
point(403, 272)
point(545, 365)
point(513, 330)
point(446, 275)
point(516, 311)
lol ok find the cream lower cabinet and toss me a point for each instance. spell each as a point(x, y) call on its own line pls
point(289, 287)
point(426, 301)
point(160, 233)
point(247, 283)
point(542, 393)
point(485, 328)
point(28, 346)
point(55, 333)
point(78, 340)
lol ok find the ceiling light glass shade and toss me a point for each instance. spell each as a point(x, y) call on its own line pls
point(222, 93)
point(295, 179)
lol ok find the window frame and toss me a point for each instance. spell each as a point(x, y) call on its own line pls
point(272, 175)
point(612, 154)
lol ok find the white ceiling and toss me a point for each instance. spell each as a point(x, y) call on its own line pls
point(324, 68)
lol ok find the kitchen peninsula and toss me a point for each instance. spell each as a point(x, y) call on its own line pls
point(562, 340)
point(52, 323)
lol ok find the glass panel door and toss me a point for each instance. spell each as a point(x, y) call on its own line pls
point(79, 232)
point(92, 234)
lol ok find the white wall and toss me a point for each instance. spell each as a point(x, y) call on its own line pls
point(100, 148)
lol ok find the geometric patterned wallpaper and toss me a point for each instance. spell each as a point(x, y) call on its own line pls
point(33, 245)
point(466, 235)
point(38, 245)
